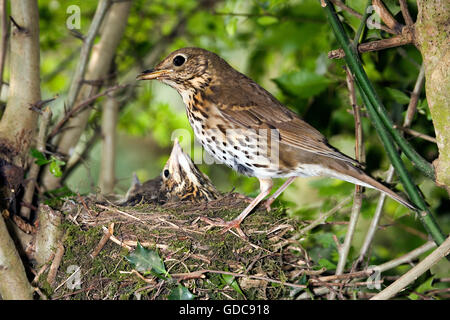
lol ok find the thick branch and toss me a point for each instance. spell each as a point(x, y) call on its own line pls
point(13, 280)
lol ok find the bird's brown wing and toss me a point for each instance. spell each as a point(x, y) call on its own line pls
point(255, 108)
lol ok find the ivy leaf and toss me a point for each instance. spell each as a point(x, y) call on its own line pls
point(303, 84)
point(146, 261)
point(180, 293)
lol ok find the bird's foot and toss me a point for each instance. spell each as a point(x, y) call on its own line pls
point(268, 203)
point(226, 225)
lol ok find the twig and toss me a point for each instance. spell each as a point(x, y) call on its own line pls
point(442, 251)
point(412, 106)
point(357, 201)
point(356, 14)
point(35, 168)
point(405, 12)
point(103, 240)
point(377, 45)
point(386, 16)
point(417, 134)
point(88, 42)
point(410, 256)
point(119, 211)
point(323, 217)
point(55, 264)
point(71, 112)
point(374, 223)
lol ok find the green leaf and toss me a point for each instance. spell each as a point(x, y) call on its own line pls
point(266, 20)
point(303, 84)
point(39, 156)
point(231, 281)
point(231, 26)
point(180, 293)
point(55, 166)
point(397, 95)
point(146, 261)
point(426, 286)
point(327, 264)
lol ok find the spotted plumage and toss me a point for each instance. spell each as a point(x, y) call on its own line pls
point(245, 127)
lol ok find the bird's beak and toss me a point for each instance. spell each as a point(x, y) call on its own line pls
point(152, 74)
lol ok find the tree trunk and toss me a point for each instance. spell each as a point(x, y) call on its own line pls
point(18, 123)
point(14, 284)
point(99, 66)
point(432, 37)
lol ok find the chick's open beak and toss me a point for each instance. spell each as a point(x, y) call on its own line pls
point(152, 74)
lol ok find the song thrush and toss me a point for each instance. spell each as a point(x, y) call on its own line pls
point(245, 127)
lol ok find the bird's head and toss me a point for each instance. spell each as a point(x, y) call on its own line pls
point(185, 68)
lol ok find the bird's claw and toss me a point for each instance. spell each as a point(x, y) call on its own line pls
point(226, 225)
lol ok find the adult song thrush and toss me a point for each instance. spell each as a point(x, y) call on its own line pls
point(245, 127)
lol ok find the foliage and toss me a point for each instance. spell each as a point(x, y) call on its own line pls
point(283, 46)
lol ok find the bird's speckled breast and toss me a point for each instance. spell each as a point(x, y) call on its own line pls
point(240, 149)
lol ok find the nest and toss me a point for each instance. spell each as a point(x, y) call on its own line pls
point(266, 266)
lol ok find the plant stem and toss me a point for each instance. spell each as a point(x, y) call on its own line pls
point(385, 128)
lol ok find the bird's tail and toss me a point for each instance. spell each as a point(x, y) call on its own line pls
point(359, 177)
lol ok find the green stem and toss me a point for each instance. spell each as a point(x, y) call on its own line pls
point(361, 26)
point(384, 127)
point(352, 59)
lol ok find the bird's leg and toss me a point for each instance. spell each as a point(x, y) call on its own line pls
point(278, 192)
point(265, 186)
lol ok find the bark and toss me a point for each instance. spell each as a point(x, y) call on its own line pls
point(16, 132)
point(109, 120)
point(48, 235)
point(14, 284)
point(432, 32)
point(98, 68)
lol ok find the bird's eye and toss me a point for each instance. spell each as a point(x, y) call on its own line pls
point(166, 173)
point(178, 60)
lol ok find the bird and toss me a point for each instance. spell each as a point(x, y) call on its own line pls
point(243, 126)
point(180, 180)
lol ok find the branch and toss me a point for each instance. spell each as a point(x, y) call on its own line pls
point(14, 284)
point(386, 16)
point(442, 251)
point(406, 258)
point(88, 42)
point(405, 12)
point(356, 14)
point(80, 107)
point(377, 45)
